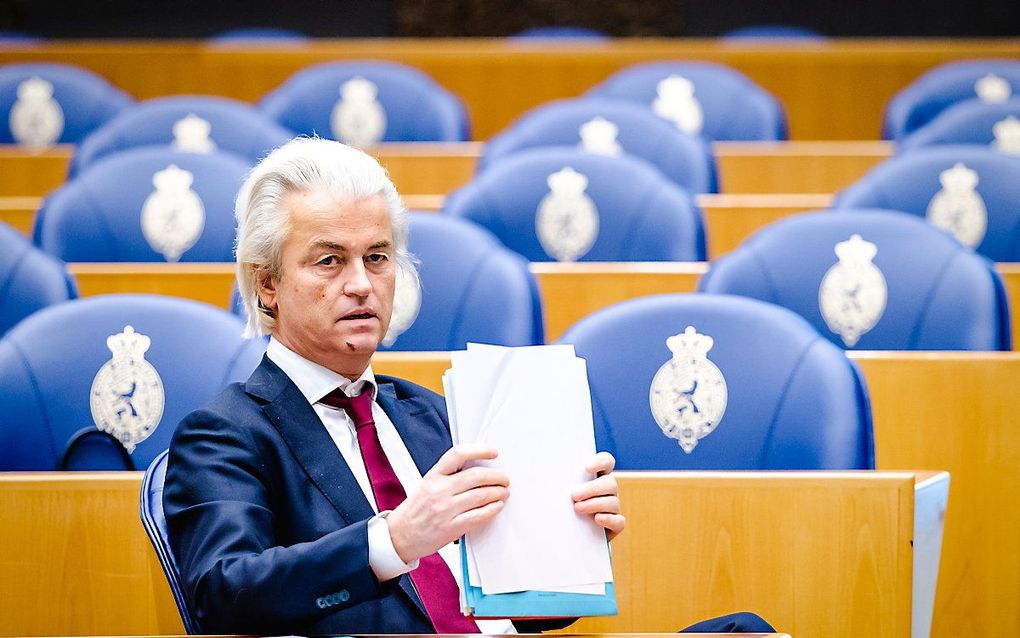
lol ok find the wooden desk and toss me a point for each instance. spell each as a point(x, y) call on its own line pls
point(950, 410)
point(439, 169)
point(210, 283)
point(817, 553)
point(19, 212)
point(834, 89)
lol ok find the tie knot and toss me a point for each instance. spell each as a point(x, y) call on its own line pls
point(359, 407)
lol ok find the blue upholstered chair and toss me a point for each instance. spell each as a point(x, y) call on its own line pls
point(199, 124)
point(29, 279)
point(871, 280)
point(258, 36)
point(131, 365)
point(46, 104)
point(154, 522)
point(557, 204)
point(971, 122)
point(472, 289)
point(625, 128)
point(987, 80)
point(561, 33)
point(772, 33)
point(716, 101)
point(971, 192)
point(363, 103)
point(145, 204)
point(717, 382)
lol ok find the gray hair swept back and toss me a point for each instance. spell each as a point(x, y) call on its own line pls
point(302, 165)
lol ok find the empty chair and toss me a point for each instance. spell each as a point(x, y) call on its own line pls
point(971, 122)
point(145, 204)
point(556, 204)
point(364, 103)
point(717, 382)
point(971, 192)
point(610, 127)
point(198, 124)
point(472, 289)
point(992, 81)
point(130, 365)
point(29, 279)
point(871, 280)
point(712, 100)
point(154, 522)
point(47, 104)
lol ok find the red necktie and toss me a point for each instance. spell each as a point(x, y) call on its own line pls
point(432, 578)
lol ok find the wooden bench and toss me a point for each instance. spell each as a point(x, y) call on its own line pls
point(817, 553)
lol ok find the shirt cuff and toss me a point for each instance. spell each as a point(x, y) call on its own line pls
point(382, 557)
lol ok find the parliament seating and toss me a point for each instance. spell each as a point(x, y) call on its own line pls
point(143, 205)
point(29, 279)
point(556, 204)
point(990, 81)
point(871, 280)
point(608, 126)
point(701, 98)
point(971, 122)
point(970, 192)
point(131, 365)
point(48, 104)
point(718, 382)
point(472, 289)
point(198, 124)
point(364, 103)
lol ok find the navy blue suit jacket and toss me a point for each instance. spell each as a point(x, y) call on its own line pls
point(269, 525)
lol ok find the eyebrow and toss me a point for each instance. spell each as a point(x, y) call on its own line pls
point(332, 245)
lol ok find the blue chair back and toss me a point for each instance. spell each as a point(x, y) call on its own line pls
point(190, 123)
point(412, 106)
point(716, 382)
point(561, 33)
point(944, 86)
point(484, 295)
point(629, 129)
point(773, 32)
point(154, 522)
point(732, 107)
point(131, 365)
point(133, 206)
point(29, 279)
point(258, 36)
point(971, 192)
point(557, 204)
point(902, 285)
point(67, 105)
point(971, 122)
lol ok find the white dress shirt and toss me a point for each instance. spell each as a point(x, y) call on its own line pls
point(315, 382)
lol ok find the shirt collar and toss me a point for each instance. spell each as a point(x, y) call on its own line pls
point(313, 380)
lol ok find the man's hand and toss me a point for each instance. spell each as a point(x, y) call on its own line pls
point(600, 497)
point(449, 501)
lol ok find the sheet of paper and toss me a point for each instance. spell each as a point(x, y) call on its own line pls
point(539, 418)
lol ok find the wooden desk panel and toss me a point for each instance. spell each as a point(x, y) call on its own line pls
point(208, 283)
point(820, 553)
point(730, 219)
point(835, 89)
point(24, 173)
point(795, 167)
point(958, 411)
point(75, 560)
point(19, 212)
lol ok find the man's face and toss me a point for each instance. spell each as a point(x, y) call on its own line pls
point(334, 294)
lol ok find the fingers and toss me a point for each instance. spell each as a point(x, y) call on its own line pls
point(613, 524)
point(477, 517)
point(598, 505)
point(601, 463)
point(601, 486)
point(474, 477)
point(479, 497)
point(458, 455)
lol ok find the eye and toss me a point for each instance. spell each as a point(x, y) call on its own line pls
point(377, 258)
point(328, 260)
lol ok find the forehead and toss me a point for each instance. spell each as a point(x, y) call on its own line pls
point(317, 214)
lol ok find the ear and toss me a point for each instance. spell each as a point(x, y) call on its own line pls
point(265, 286)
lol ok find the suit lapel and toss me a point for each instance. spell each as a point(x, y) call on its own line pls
point(309, 442)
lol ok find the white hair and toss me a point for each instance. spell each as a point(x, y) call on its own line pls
point(263, 222)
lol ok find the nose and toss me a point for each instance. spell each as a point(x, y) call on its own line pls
point(357, 283)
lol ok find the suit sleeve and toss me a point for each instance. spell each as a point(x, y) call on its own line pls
point(237, 578)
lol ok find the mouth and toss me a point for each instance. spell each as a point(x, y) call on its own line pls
point(359, 314)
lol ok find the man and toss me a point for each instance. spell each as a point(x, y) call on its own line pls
point(317, 498)
point(285, 501)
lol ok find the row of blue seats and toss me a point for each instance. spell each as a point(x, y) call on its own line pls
point(363, 103)
point(733, 383)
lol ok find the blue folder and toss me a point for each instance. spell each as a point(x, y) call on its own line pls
point(533, 604)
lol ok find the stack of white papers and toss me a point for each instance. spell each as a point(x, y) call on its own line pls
point(537, 557)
